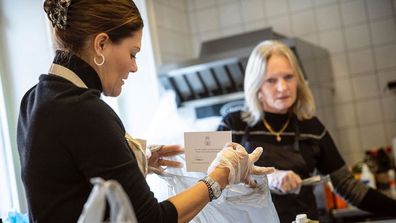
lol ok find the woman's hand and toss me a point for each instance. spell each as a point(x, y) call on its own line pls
point(156, 161)
point(240, 164)
point(284, 181)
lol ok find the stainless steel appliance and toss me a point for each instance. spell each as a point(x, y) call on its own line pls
point(207, 84)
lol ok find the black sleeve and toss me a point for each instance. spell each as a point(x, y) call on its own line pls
point(378, 203)
point(225, 124)
point(330, 158)
point(100, 150)
point(352, 190)
point(233, 122)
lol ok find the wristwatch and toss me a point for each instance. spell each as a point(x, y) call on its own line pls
point(213, 187)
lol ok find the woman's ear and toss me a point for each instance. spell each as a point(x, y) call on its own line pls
point(100, 42)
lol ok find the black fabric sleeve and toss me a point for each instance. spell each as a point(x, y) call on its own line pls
point(224, 124)
point(332, 163)
point(330, 158)
point(378, 203)
point(345, 184)
point(99, 149)
point(233, 122)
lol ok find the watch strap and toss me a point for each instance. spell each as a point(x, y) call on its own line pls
point(210, 183)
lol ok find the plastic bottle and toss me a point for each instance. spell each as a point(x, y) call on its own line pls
point(392, 186)
point(367, 177)
point(301, 218)
point(394, 150)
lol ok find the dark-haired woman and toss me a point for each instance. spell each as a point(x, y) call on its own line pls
point(68, 135)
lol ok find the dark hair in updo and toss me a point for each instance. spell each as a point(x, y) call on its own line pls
point(86, 18)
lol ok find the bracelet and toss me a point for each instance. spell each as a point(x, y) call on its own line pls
point(210, 190)
point(214, 188)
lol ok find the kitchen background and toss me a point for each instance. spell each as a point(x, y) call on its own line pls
point(348, 53)
point(349, 58)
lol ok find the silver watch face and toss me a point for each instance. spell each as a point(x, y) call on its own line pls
point(216, 190)
point(215, 187)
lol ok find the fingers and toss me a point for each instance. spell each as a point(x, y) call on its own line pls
point(234, 146)
point(293, 178)
point(250, 182)
point(170, 163)
point(295, 181)
point(170, 150)
point(255, 155)
point(230, 144)
point(285, 181)
point(156, 170)
point(258, 170)
point(290, 181)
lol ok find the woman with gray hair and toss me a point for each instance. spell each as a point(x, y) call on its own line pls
point(279, 116)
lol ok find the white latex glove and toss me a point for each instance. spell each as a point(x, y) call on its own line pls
point(240, 163)
point(284, 181)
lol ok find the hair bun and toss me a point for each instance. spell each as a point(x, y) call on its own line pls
point(57, 12)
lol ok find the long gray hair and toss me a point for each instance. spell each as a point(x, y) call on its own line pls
point(304, 106)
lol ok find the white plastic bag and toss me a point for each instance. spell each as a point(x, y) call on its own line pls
point(121, 210)
point(238, 203)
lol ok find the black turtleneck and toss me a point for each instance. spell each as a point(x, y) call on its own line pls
point(67, 135)
point(276, 120)
point(86, 73)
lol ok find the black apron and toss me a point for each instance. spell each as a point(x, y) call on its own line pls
point(299, 157)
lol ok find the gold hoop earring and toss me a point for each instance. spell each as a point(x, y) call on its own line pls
point(103, 60)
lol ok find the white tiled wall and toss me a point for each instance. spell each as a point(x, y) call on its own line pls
point(356, 39)
point(173, 30)
point(357, 36)
point(353, 12)
point(303, 22)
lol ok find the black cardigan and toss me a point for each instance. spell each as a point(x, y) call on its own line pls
point(67, 135)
